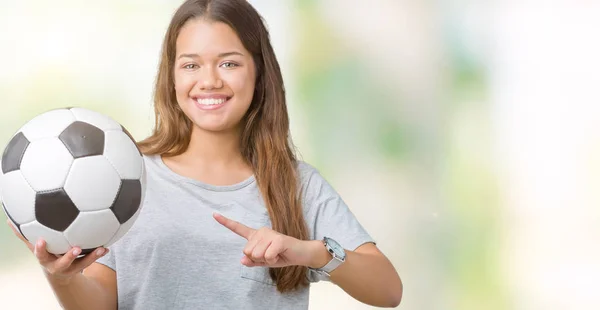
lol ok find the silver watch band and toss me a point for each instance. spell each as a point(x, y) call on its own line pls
point(338, 256)
point(329, 267)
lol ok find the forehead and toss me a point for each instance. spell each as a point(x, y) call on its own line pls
point(207, 37)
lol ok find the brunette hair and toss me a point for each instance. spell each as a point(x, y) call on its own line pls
point(265, 141)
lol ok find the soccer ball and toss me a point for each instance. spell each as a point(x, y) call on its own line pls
point(73, 177)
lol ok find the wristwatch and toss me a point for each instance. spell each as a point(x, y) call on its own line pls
point(338, 253)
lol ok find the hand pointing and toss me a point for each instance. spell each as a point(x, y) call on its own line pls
point(266, 247)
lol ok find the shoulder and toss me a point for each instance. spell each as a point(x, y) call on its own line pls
point(151, 161)
point(305, 168)
point(153, 166)
point(148, 158)
point(307, 173)
point(312, 182)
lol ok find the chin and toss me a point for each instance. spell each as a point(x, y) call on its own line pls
point(212, 127)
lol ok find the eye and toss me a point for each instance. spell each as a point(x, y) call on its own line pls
point(229, 65)
point(190, 66)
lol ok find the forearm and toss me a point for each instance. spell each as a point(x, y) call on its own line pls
point(80, 292)
point(368, 277)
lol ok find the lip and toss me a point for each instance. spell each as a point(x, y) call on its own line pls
point(210, 96)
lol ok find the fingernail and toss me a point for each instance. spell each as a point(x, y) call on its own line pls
point(40, 243)
point(76, 252)
point(99, 252)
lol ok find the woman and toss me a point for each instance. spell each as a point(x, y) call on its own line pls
point(231, 219)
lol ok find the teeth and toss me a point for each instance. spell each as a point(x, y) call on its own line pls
point(210, 101)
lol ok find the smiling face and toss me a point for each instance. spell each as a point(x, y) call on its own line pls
point(214, 75)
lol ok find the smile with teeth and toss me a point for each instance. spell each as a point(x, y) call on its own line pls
point(211, 101)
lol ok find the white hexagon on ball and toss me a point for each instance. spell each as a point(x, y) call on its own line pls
point(12, 223)
point(46, 164)
point(96, 119)
point(92, 183)
point(18, 197)
point(46, 125)
point(122, 152)
point(56, 243)
point(92, 229)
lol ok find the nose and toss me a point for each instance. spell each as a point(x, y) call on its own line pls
point(209, 79)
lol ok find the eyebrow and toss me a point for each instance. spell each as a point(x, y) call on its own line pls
point(221, 55)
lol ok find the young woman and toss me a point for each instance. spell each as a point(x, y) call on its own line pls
point(231, 219)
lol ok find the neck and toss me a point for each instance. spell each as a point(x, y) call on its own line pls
point(212, 157)
point(214, 148)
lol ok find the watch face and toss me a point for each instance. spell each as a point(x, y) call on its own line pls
point(335, 248)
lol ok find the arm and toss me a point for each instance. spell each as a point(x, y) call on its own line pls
point(96, 290)
point(367, 275)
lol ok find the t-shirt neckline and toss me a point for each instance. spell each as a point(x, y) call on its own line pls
point(217, 188)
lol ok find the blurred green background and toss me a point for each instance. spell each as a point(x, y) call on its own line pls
point(462, 134)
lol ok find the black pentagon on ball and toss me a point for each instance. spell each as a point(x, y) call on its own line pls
point(13, 153)
point(13, 220)
point(83, 139)
point(54, 209)
point(128, 200)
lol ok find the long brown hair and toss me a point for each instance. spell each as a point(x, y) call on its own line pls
point(265, 141)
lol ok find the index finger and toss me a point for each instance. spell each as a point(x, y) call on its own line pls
point(238, 228)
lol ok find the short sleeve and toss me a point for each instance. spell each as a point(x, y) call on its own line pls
point(326, 213)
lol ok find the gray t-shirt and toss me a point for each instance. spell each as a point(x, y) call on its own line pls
point(176, 256)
